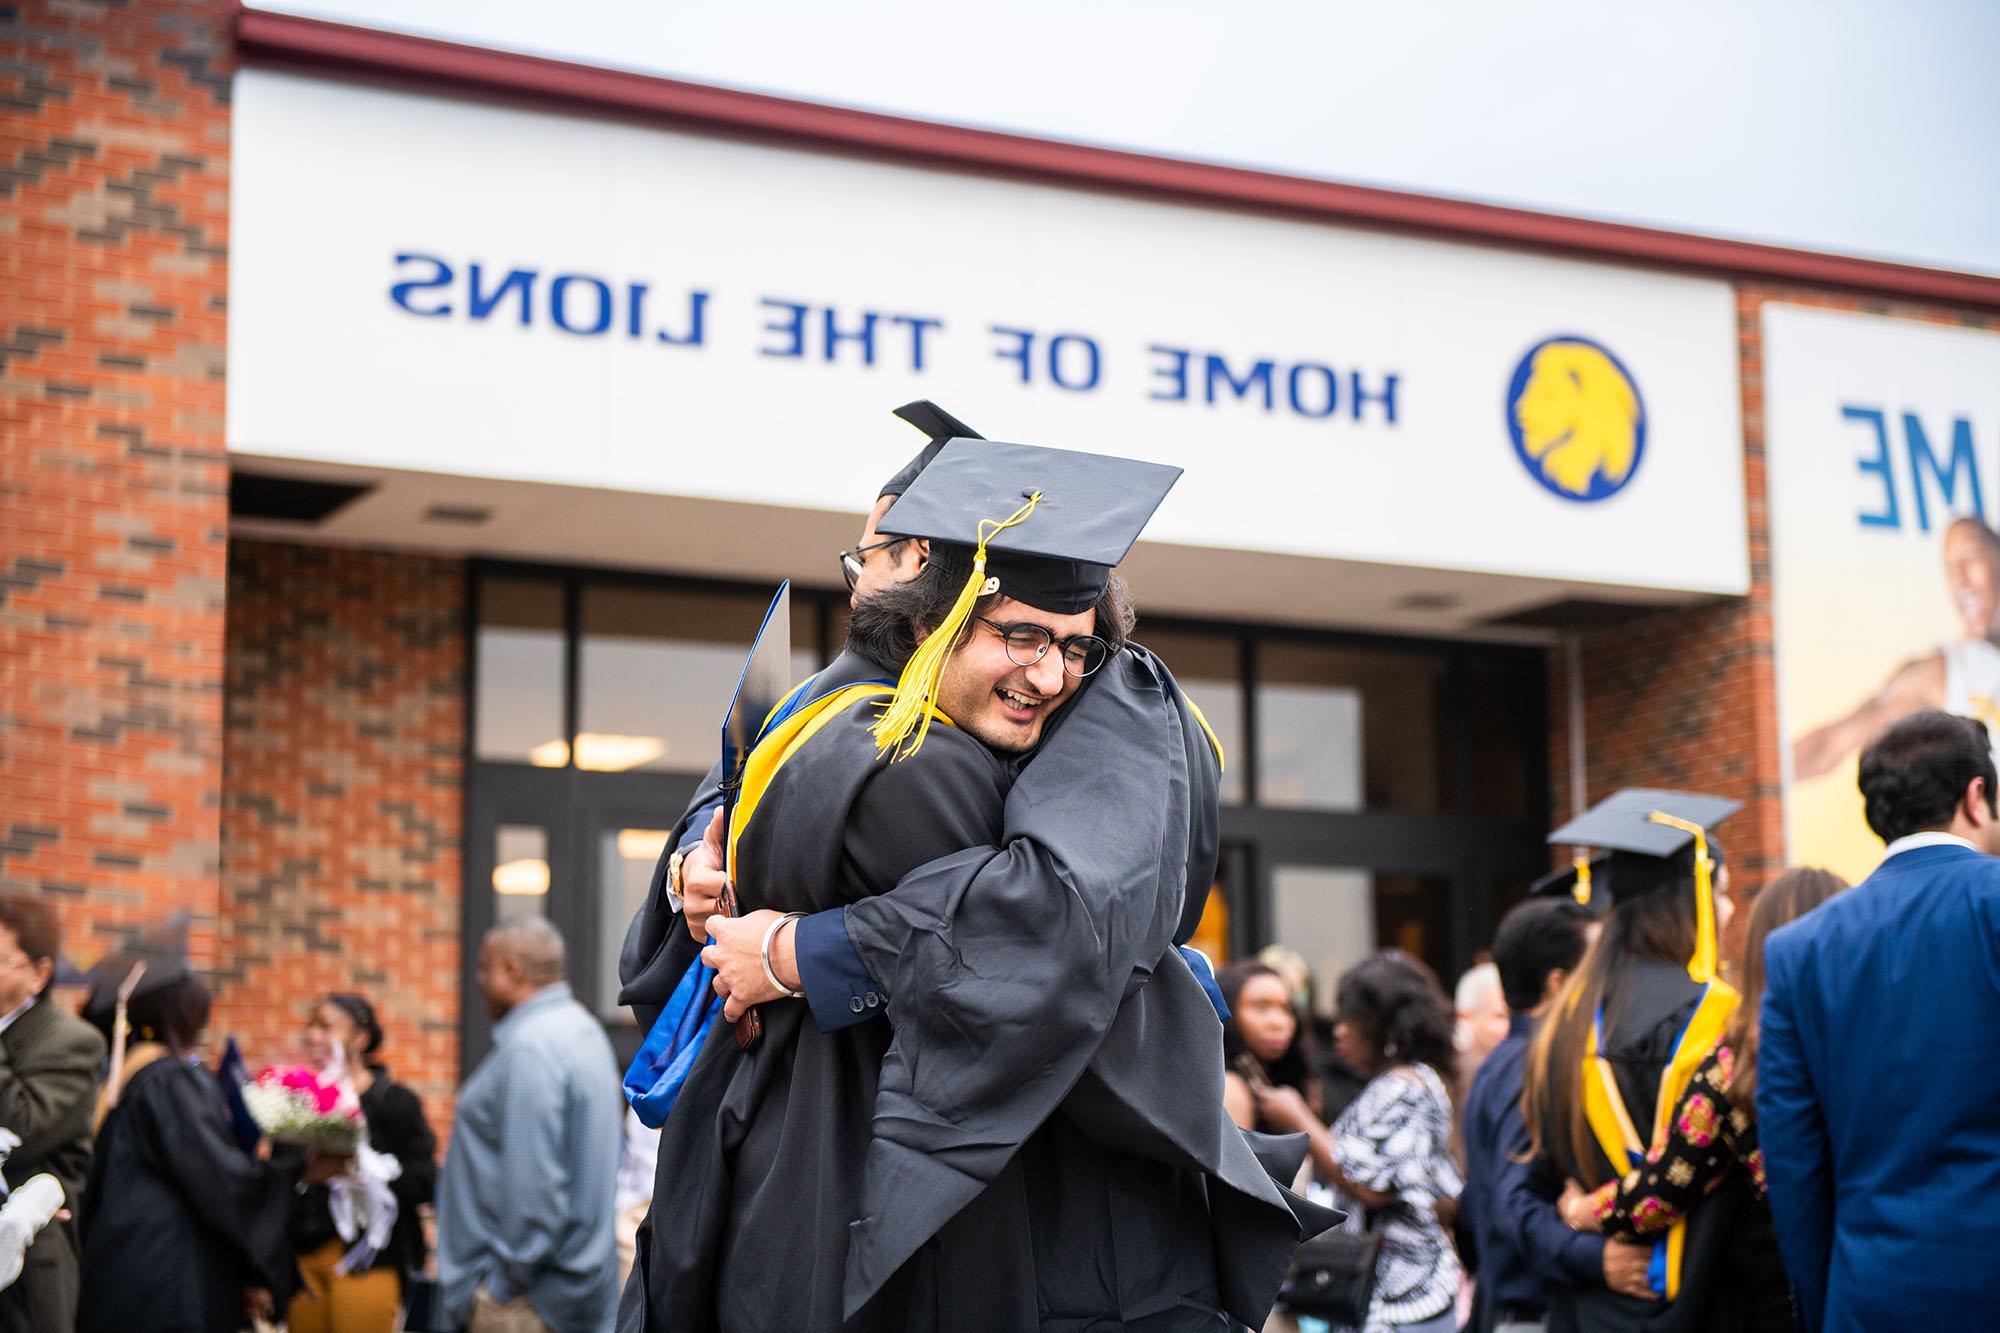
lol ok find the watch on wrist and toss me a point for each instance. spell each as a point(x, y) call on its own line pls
point(674, 860)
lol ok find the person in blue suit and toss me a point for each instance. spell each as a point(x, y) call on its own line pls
point(1878, 1099)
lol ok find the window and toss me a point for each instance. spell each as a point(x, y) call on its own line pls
point(518, 701)
point(1349, 728)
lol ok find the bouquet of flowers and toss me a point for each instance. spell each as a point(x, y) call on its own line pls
point(298, 1105)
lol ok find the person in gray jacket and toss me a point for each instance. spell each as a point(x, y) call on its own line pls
point(526, 1204)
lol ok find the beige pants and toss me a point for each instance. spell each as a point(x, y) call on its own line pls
point(516, 1316)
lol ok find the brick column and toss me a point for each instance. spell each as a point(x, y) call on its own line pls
point(343, 796)
point(114, 182)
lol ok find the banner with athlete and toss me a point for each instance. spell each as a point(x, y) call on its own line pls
point(1882, 448)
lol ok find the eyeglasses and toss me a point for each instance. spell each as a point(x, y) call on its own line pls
point(850, 559)
point(1028, 643)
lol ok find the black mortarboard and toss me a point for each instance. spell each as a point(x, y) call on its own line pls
point(1658, 843)
point(161, 946)
point(935, 422)
point(1059, 554)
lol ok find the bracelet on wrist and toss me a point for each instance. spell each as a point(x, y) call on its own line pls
point(764, 953)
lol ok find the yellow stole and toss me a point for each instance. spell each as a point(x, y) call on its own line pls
point(1604, 1106)
point(779, 743)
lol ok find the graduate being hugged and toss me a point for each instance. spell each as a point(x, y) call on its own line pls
point(1627, 1032)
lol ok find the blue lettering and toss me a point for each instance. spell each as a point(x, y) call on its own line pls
point(792, 325)
point(697, 306)
point(1890, 516)
point(1922, 458)
point(1173, 371)
point(865, 335)
point(1304, 401)
point(635, 310)
point(520, 281)
point(1023, 340)
point(440, 277)
point(916, 325)
point(1358, 395)
point(559, 303)
point(1092, 361)
point(1258, 377)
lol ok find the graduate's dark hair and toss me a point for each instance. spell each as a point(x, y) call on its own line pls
point(361, 1014)
point(172, 1015)
point(1914, 774)
point(1293, 1069)
point(1784, 900)
point(1659, 926)
point(35, 926)
point(1538, 937)
point(1401, 1008)
point(884, 625)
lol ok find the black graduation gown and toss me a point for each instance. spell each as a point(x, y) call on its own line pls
point(177, 1220)
point(1037, 1000)
point(760, 1162)
point(1645, 1013)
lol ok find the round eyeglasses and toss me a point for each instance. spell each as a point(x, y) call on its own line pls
point(850, 559)
point(1028, 643)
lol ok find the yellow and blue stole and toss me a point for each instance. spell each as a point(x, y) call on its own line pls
point(1604, 1107)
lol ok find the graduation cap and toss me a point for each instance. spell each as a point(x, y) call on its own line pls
point(1658, 841)
point(1046, 527)
point(152, 958)
point(935, 422)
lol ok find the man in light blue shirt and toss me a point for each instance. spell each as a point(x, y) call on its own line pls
point(527, 1202)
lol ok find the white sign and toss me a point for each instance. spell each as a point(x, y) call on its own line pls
point(1883, 456)
point(452, 287)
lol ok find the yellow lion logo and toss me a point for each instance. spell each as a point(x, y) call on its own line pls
point(1578, 419)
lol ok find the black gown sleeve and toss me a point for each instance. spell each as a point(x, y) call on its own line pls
point(182, 1127)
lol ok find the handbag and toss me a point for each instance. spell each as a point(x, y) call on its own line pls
point(1332, 1277)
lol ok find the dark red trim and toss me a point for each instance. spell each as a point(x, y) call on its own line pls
point(339, 49)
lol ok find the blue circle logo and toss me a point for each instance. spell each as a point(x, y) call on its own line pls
point(1576, 418)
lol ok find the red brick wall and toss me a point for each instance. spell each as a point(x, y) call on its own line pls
point(114, 181)
point(1689, 698)
point(343, 788)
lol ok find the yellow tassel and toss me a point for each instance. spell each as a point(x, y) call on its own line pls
point(1701, 967)
point(1581, 891)
point(901, 729)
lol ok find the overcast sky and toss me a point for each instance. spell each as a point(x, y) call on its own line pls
point(1867, 127)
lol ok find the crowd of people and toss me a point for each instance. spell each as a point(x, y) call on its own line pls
point(927, 1047)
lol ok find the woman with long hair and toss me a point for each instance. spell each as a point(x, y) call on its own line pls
point(1630, 1026)
point(361, 1294)
point(1712, 1137)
